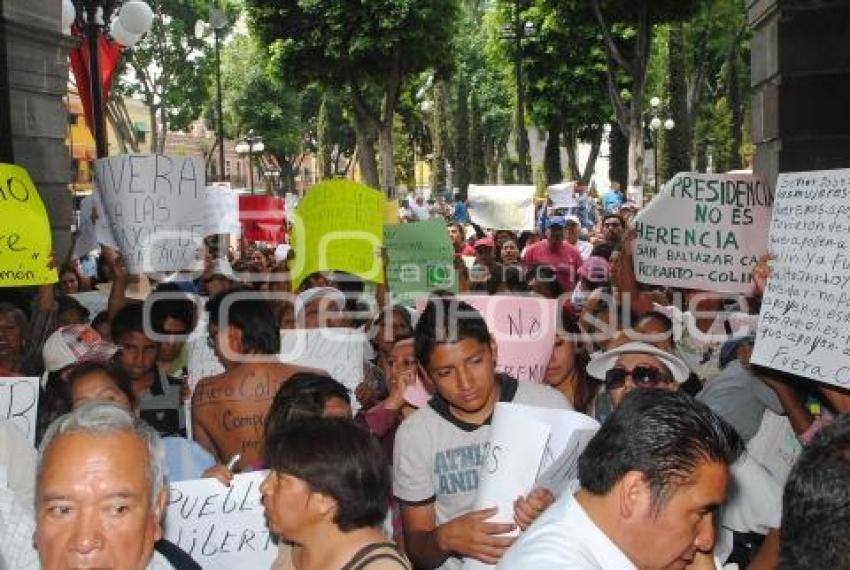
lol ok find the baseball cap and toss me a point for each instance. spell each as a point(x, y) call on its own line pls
point(572, 219)
point(556, 222)
point(729, 350)
point(75, 343)
point(605, 361)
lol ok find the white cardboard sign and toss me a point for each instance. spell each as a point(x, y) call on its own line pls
point(19, 404)
point(563, 195)
point(155, 207)
point(221, 528)
point(804, 325)
point(704, 231)
point(221, 211)
point(502, 207)
point(529, 447)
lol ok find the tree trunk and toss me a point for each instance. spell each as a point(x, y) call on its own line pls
point(154, 141)
point(618, 169)
point(440, 134)
point(462, 143)
point(323, 129)
point(163, 129)
point(590, 165)
point(733, 96)
point(385, 144)
point(366, 152)
point(572, 156)
point(477, 152)
point(552, 157)
point(675, 156)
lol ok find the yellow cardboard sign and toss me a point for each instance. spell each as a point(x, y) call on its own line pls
point(339, 226)
point(391, 217)
point(25, 240)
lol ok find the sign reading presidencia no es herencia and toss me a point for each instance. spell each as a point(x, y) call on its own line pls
point(704, 231)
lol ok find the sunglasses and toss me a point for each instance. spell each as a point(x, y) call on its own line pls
point(612, 224)
point(642, 376)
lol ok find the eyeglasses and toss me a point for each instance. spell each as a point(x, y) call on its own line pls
point(642, 376)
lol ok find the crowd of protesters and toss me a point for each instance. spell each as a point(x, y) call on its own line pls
point(667, 482)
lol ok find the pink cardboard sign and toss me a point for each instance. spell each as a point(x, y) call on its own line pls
point(524, 329)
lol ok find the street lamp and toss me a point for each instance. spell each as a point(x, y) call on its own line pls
point(250, 144)
point(218, 21)
point(132, 20)
point(656, 123)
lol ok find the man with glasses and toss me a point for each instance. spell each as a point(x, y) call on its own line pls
point(749, 520)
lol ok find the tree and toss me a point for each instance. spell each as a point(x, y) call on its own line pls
point(632, 59)
point(335, 137)
point(566, 68)
point(257, 99)
point(169, 69)
point(367, 48)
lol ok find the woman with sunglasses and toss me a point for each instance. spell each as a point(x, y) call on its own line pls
point(755, 508)
point(637, 365)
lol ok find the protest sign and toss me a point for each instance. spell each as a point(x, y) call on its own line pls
point(339, 352)
point(86, 237)
point(25, 240)
point(391, 208)
point(262, 218)
point(804, 324)
point(95, 301)
point(155, 207)
point(221, 214)
point(221, 528)
point(502, 207)
point(563, 195)
point(530, 447)
point(704, 231)
point(339, 225)
point(19, 404)
point(421, 259)
point(524, 330)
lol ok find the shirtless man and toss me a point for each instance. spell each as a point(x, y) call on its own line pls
point(229, 410)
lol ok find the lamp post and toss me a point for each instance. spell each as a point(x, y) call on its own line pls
point(656, 123)
point(250, 144)
point(218, 21)
point(94, 18)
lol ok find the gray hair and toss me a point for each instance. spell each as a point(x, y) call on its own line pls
point(108, 419)
point(17, 315)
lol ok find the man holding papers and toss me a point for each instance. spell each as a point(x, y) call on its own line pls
point(440, 448)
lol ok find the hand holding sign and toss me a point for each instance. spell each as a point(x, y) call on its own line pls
point(25, 240)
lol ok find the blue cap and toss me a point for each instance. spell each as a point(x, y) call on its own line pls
point(729, 350)
point(556, 222)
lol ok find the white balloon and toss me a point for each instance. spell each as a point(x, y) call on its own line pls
point(69, 14)
point(121, 35)
point(136, 17)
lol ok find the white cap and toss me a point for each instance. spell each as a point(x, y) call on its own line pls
point(313, 293)
point(606, 361)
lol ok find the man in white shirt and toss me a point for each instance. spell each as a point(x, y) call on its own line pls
point(652, 480)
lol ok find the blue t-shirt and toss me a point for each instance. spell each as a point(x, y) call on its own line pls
point(612, 201)
point(461, 215)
